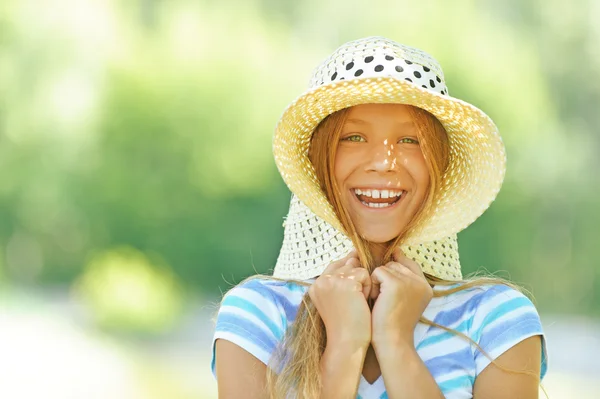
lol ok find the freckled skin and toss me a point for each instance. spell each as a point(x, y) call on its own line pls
point(378, 148)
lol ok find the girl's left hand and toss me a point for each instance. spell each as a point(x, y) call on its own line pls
point(401, 295)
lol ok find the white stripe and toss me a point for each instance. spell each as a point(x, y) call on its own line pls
point(513, 314)
point(251, 318)
point(443, 348)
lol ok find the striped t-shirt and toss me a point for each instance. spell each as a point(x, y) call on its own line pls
point(255, 315)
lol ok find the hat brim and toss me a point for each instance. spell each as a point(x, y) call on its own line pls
point(477, 161)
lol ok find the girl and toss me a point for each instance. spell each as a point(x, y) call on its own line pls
point(367, 298)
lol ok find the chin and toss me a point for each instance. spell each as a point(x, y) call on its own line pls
point(376, 237)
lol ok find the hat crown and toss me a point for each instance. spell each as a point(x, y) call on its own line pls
point(377, 56)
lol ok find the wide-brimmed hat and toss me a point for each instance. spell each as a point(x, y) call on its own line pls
point(379, 70)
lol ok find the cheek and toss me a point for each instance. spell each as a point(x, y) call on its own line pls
point(342, 167)
point(417, 167)
point(422, 172)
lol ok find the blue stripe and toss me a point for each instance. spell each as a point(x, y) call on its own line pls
point(279, 303)
point(296, 287)
point(451, 316)
point(510, 332)
point(248, 306)
point(462, 327)
point(464, 381)
point(247, 330)
point(500, 311)
point(461, 359)
point(290, 308)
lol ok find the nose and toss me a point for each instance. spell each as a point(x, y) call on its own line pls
point(382, 157)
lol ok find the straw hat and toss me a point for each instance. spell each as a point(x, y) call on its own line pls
point(378, 70)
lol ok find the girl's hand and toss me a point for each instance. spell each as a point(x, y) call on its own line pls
point(340, 295)
point(402, 293)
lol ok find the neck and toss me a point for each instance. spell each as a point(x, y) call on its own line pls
point(378, 252)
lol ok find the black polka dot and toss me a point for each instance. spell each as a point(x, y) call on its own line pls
point(425, 87)
point(334, 76)
point(342, 78)
point(426, 69)
point(379, 68)
point(349, 66)
point(399, 68)
point(417, 74)
point(443, 92)
point(368, 59)
point(431, 83)
point(438, 79)
point(408, 80)
point(389, 57)
point(358, 72)
point(408, 62)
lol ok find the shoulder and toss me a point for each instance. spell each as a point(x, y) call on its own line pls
point(255, 314)
point(497, 317)
point(260, 304)
point(481, 299)
point(486, 313)
point(499, 306)
point(266, 294)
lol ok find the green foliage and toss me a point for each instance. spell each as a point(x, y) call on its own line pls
point(149, 126)
point(126, 291)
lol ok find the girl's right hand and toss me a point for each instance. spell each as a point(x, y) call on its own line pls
point(340, 295)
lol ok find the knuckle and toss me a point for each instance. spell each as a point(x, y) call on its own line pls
point(362, 273)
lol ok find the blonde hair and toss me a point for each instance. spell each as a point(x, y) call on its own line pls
point(295, 365)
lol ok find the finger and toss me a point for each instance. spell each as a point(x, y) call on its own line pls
point(379, 277)
point(354, 262)
point(375, 288)
point(335, 265)
point(362, 275)
point(398, 269)
point(413, 266)
point(351, 254)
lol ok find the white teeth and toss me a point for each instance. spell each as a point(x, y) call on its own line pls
point(378, 193)
point(375, 204)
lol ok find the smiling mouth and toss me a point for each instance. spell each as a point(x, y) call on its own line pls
point(378, 198)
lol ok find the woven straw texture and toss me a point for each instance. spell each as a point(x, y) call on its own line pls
point(378, 70)
point(310, 244)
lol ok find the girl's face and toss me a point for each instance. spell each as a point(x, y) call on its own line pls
point(380, 170)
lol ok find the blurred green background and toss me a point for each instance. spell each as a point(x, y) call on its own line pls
point(137, 181)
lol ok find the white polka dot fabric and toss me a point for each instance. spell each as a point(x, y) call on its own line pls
point(389, 59)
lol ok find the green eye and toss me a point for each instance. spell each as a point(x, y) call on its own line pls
point(354, 138)
point(408, 140)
